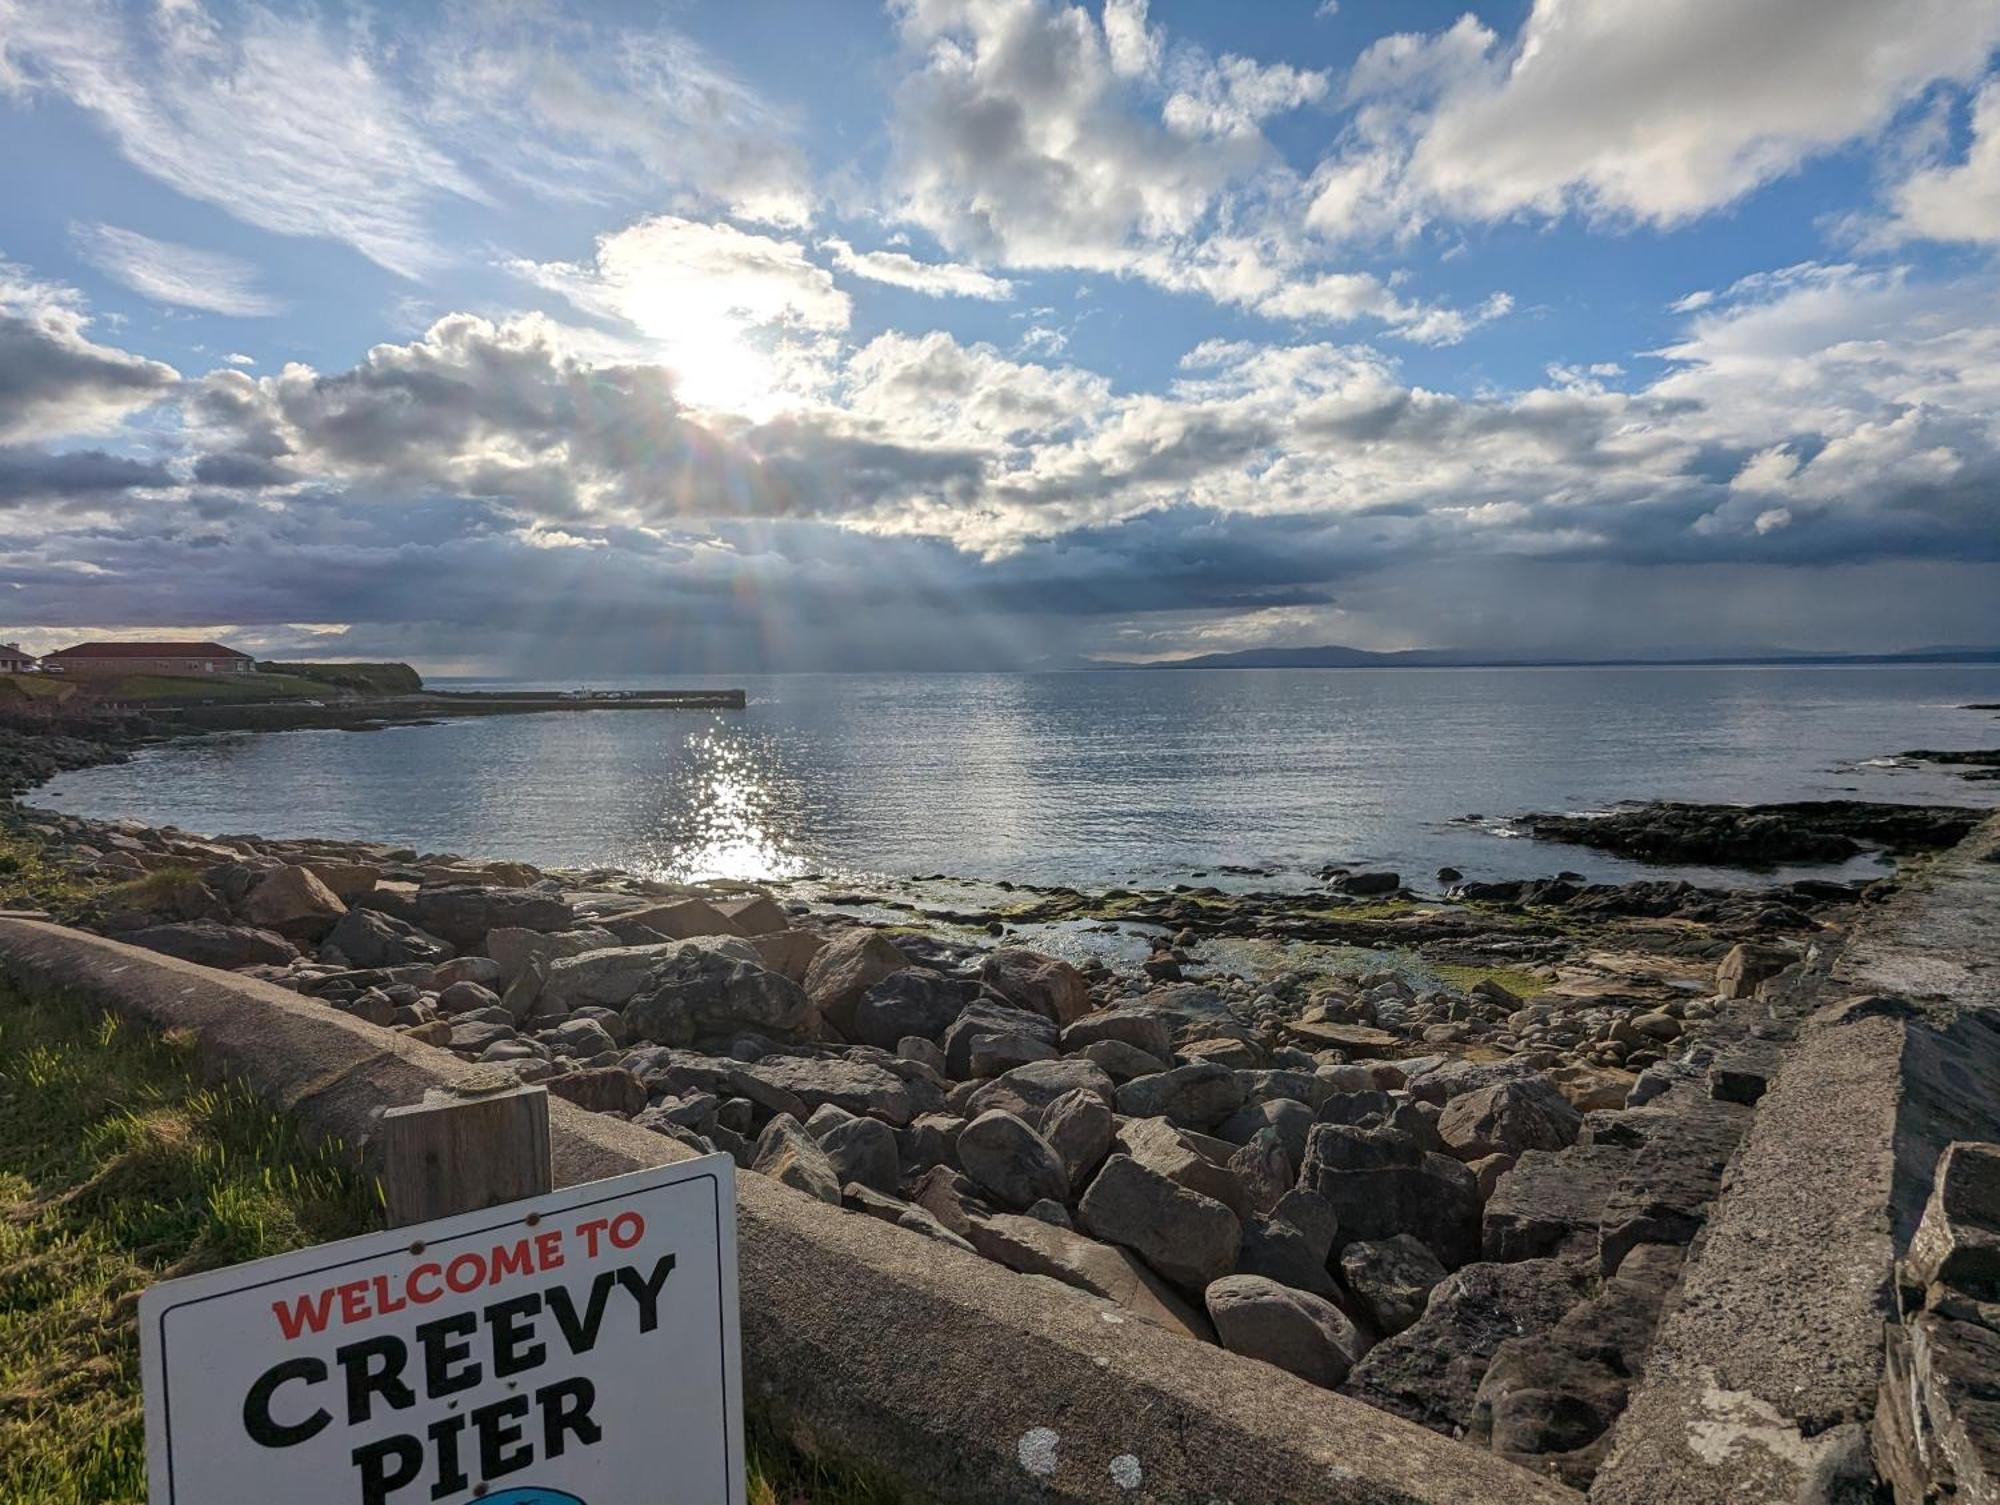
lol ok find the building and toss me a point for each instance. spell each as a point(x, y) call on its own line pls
point(148, 658)
point(13, 660)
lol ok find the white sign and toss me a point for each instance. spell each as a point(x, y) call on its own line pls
point(573, 1349)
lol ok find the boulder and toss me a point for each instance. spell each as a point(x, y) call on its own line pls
point(1044, 985)
point(370, 938)
point(344, 880)
point(1380, 1183)
point(1188, 1238)
point(579, 1036)
point(463, 997)
point(1028, 1090)
point(1957, 1242)
point(1290, 1120)
point(606, 979)
point(291, 902)
point(1034, 1247)
point(858, 1198)
point(1199, 1096)
point(1390, 1280)
point(1746, 965)
point(1291, 1244)
point(1368, 885)
point(913, 1001)
point(754, 914)
point(1552, 1202)
point(789, 952)
point(785, 1152)
point(1122, 1062)
point(1011, 1162)
point(1078, 1127)
point(1160, 1147)
point(463, 914)
point(1295, 1330)
point(996, 1055)
point(678, 921)
point(1146, 1030)
point(601, 1089)
point(514, 946)
point(1264, 1170)
point(858, 1086)
point(985, 1017)
point(212, 944)
point(1509, 1118)
point(480, 969)
point(698, 986)
point(843, 971)
point(863, 1151)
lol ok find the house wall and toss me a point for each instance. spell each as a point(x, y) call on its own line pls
point(81, 666)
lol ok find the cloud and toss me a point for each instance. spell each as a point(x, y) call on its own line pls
point(284, 124)
point(1652, 114)
point(934, 279)
point(181, 275)
point(54, 380)
point(1959, 202)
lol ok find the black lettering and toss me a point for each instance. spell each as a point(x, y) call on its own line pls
point(258, 1421)
point(378, 1480)
point(365, 1380)
point(566, 1408)
point(582, 1335)
point(444, 1441)
point(512, 1353)
point(647, 1292)
point(440, 1353)
point(498, 1425)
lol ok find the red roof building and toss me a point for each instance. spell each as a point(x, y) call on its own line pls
point(148, 658)
point(13, 660)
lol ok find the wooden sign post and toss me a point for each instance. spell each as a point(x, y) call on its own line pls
point(476, 1144)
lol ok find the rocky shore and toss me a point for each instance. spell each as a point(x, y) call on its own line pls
point(1444, 1152)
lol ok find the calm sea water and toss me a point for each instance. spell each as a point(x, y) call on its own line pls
point(1088, 778)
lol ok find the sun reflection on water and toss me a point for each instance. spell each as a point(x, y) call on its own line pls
point(723, 814)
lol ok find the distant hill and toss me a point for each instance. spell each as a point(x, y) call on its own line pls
point(1336, 657)
point(363, 679)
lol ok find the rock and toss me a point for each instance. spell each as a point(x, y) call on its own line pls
point(843, 971)
point(1665, 1193)
point(925, 1052)
point(212, 944)
point(1552, 1203)
point(1078, 1127)
point(1589, 1088)
point(1195, 1097)
point(930, 1139)
point(1355, 1107)
point(463, 914)
point(1390, 1279)
point(1160, 1147)
point(480, 969)
point(789, 953)
point(1122, 1062)
point(1957, 1242)
point(1368, 885)
point(1291, 1245)
point(787, 1153)
point(474, 1036)
point(581, 1037)
point(1144, 1030)
point(1355, 1039)
point(1044, 985)
point(1738, 1082)
point(754, 915)
point(1239, 1055)
point(681, 920)
point(1507, 1118)
point(514, 947)
point(607, 979)
point(1379, 1184)
point(858, 1086)
point(1748, 964)
point(914, 1001)
point(698, 986)
point(1295, 1330)
point(1291, 1121)
point(291, 902)
point(1446, 1077)
point(996, 1055)
point(863, 1150)
point(1053, 1213)
point(1430, 1372)
point(983, 1017)
point(461, 997)
point(1033, 1247)
point(344, 880)
point(369, 938)
point(1264, 1170)
point(1027, 1090)
point(858, 1198)
point(1010, 1161)
point(1188, 1238)
point(601, 1089)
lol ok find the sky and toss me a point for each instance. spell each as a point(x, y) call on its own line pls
point(613, 339)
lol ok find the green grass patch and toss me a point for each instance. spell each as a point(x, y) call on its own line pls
point(167, 689)
point(33, 689)
point(30, 878)
point(363, 679)
point(118, 1168)
point(1461, 978)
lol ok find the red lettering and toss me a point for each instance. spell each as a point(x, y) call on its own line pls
point(384, 1302)
point(471, 1282)
point(548, 1250)
point(590, 1231)
point(634, 1226)
point(424, 1298)
point(511, 1260)
point(353, 1308)
point(303, 1316)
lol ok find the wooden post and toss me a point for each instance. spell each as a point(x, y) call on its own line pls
point(478, 1143)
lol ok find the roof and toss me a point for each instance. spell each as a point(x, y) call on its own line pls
point(145, 650)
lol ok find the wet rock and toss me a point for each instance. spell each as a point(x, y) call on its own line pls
point(843, 971)
point(1508, 1118)
point(915, 1001)
point(1368, 885)
point(1011, 1162)
point(1188, 1238)
point(1044, 985)
point(1195, 1097)
point(212, 944)
point(1295, 1330)
point(787, 1153)
point(1390, 1280)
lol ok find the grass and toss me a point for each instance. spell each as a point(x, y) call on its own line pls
point(169, 688)
point(31, 879)
point(118, 1168)
point(33, 689)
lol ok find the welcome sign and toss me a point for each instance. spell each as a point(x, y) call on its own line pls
point(578, 1348)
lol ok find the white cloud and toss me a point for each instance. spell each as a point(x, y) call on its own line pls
point(1654, 113)
point(1958, 202)
point(932, 278)
point(274, 118)
point(54, 379)
point(177, 274)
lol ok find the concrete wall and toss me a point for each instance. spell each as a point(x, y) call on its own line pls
point(954, 1378)
point(84, 667)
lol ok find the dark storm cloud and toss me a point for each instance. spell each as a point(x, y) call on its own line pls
point(28, 473)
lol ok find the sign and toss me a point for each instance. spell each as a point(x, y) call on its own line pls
point(578, 1348)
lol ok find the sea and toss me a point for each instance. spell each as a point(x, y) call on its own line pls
point(1240, 779)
